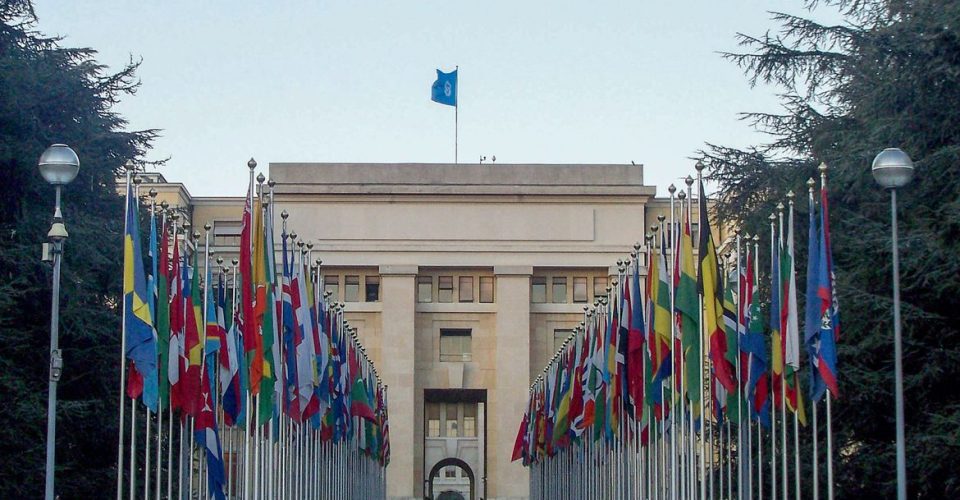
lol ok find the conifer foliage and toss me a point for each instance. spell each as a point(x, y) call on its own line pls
point(887, 76)
point(51, 94)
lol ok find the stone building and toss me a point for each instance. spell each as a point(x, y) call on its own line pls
point(462, 281)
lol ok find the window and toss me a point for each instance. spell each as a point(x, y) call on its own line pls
point(445, 289)
point(331, 283)
point(372, 288)
point(466, 289)
point(433, 420)
point(469, 420)
point(452, 427)
point(580, 290)
point(695, 233)
point(486, 289)
point(351, 288)
point(455, 345)
point(538, 289)
point(227, 233)
point(424, 289)
point(559, 289)
point(559, 336)
point(449, 472)
point(600, 286)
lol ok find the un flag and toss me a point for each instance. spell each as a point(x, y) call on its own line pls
point(445, 88)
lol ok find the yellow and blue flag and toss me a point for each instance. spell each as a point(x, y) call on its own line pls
point(141, 343)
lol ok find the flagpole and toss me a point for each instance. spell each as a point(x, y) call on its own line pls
point(773, 394)
point(794, 339)
point(163, 228)
point(823, 186)
point(133, 401)
point(707, 381)
point(754, 287)
point(123, 362)
point(456, 113)
point(740, 386)
point(783, 369)
point(153, 307)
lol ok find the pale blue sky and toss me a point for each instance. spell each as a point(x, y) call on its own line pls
point(349, 81)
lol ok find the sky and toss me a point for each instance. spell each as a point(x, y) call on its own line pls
point(349, 81)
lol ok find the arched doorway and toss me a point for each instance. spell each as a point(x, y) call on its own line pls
point(438, 492)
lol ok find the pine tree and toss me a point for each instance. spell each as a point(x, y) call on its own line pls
point(889, 76)
point(51, 94)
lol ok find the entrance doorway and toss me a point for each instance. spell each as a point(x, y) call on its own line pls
point(451, 479)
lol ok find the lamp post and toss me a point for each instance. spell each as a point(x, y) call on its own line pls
point(59, 166)
point(892, 169)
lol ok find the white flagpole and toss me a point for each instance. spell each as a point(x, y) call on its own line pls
point(133, 447)
point(123, 358)
point(783, 376)
point(795, 340)
point(741, 293)
point(773, 398)
point(456, 117)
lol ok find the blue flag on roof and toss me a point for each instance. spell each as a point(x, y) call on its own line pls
point(445, 88)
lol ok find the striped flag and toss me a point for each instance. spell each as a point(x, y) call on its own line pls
point(141, 342)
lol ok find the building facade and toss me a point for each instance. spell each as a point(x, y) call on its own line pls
point(462, 281)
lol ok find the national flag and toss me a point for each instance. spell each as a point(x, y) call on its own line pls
point(205, 433)
point(141, 343)
point(213, 333)
point(291, 397)
point(250, 329)
point(444, 90)
point(776, 326)
point(177, 323)
point(752, 343)
point(710, 285)
point(635, 341)
point(192, 358)
point(306, 357)
point(520, 441)
point(662, 318)
point(264, 312)
point(825, 346)
point(163, 318)
point(811, 322)
point(688, 307)
point(229, 370)
point(791, 328)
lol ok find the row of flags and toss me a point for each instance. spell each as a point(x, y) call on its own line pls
point(640, 353)
point(250, 355)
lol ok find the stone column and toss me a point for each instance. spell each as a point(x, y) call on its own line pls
point(398, 286)
point(508, 479)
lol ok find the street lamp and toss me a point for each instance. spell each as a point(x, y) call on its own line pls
point(892, 169)
point(59, 166)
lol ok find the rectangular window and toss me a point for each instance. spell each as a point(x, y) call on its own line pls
point(455, 345)
point(538, 289)
point(579, 289)
point(486, 289)
point(695, 233)
point(331, 283)
point(559, 289)
point(559, 336)
point(227, 233)
point(453, 425)
point(424, 289)
point(351, 288)
point(433, 419)
point(469, 420)
point(372, 288)
point(445, 289)
point(600, 286)
point(466, 289)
